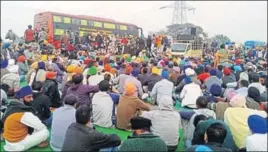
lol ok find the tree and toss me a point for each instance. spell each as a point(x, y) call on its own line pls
point(176, 29)
point(220, 38)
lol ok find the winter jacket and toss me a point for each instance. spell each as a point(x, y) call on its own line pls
point(23, 69)
point(143, 142)
point(50, 88)
point(41, 105)
point(82, 92)
point(89, 139)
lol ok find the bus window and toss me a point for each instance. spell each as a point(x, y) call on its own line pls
point(90, 23)
point(75, 21)
point(58, 32)
point(56, 18)
point(123, 27)
point(81, 33)
point(66, 20)
point(97, 24)
point(84, 22)
point(109, 26)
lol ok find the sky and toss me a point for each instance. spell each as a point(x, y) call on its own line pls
point(239, 20)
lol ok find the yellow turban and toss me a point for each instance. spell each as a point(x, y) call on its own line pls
point(155, 70)
point(70, 68)
point(34, 65)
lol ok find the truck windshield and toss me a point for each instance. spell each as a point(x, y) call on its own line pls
point(178, 47)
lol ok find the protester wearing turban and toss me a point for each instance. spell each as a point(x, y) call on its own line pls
point(78, 70)
point(128, 106)
point(228, 76)
point(153, 79)
point(258, 140)
point(41, 73)
point(51, 89)
point(23, 69)
point(237, 116)
point(213, 79)
point(22, 125)
point(93, 78)
point(133, 79)
point(253, 98)
point(163, 87)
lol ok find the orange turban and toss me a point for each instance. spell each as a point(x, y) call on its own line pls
point(128, 69)
point(113, 71)
point(78, 70)
point(50, 75)
point(21, 58)
point(107, 67)
point(130, 89)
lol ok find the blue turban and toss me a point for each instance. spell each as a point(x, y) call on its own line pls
point(187, 80)
point(82, 58)
point(237, 68)
point(257, 124)
point(165, 74)
point(24, 91)
point(6, 45)
point(135, 73)
point(41, 65)
point(213, 72)
point(4, 63)
point(203, 148)
point(215, 90)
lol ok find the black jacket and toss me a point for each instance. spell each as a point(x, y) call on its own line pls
point(41, 105)
point(81, 138)
point(50, 88)
point(212, 146)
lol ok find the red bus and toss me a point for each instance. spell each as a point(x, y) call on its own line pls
point(57, 23)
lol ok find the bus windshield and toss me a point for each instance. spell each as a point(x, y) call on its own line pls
point(178, 47)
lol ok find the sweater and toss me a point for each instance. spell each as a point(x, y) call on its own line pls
point(89, 139)
point(144, 142)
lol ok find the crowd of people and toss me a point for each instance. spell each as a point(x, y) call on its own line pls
point(223, 101)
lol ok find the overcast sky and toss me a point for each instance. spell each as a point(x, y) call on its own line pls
point(240, 20)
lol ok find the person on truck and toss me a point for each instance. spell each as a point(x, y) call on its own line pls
point(29, 34)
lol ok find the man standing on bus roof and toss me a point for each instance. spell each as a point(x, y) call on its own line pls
point(42, 35)
point(65, 38)
point(29, 34)
point(99, 40)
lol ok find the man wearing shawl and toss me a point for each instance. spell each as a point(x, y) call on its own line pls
point(128, 106)
point(163, 116)
point(236, 118)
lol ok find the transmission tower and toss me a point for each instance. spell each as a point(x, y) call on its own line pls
point(179, 12)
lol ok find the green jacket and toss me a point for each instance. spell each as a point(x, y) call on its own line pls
point(144, 142)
